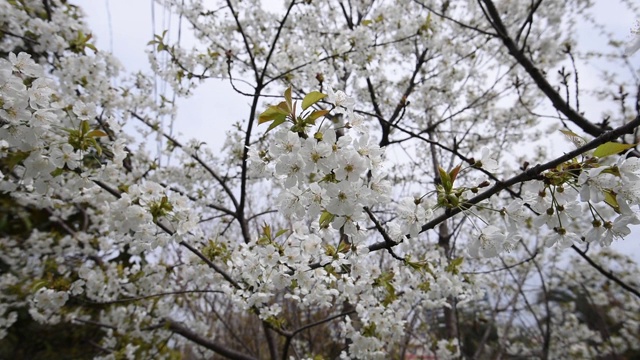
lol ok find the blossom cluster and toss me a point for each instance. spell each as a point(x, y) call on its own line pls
point(634, 44)
point(595, 186)
point(329, 180)
point(148, 245)
point(329, 177)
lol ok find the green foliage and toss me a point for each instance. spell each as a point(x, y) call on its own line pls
point(326, 218)
point(610, 199)
point(84, 137)
point(369, 330)
point(268, 237)
point(28, 339)
point(574, 138)
point(285, 111)
point(81, 42)
point(158, 41)
point(385, 281)
point(611, 148)
point(312, 98)
point(448, 196)
point(14, 158)
point(454, 266)
point(160, 208)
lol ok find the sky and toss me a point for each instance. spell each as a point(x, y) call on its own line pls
point(124, 27)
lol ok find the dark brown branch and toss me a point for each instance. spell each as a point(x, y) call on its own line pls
point(194, 199)
point(529, 22)
point(6, 32)
point(200, 340)
point(90, 322)
point(272, 48)
point(494, 18)
point(211, 264)
point(527, 175)
point(461, 24)
point(506, 267)
point(384, 234)
point(291, 335)
point(608, 274)
point(260, 84)
point(546, 332)
point(243, 34)
point(166, 229)
point(271, 343)
point(182, 292)
point(193, 156)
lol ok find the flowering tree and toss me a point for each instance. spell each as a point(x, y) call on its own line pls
point(387, 217)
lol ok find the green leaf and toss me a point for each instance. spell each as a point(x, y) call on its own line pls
point(329, 250)
point(426, 26)
point(281, 231)
point(574, 138)
point(287, 98)
point(611, 200)
point(425, 286)
point(311, 119)
point(454, 266)
point(96, 146)
point(276, 123)
point(326, 218)
point(611, 148)
point(266, 230)
point(369, 330)
point(457, 261)
point(96, 133)
point(84, 127)
point(454, 173)
point(37, 285)
point(284, 107)
point(263, 241)
point(57, 172)
point(272, 113)
point(569, 133)
point(16, 158)
point(312, 98)
point(446, 180)
point(344, 247)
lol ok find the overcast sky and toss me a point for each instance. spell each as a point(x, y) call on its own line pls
point(125, 27)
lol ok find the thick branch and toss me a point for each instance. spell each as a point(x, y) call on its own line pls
point(542, 83)
point(291, 335)
point(260, 84)
point(137, 298)
point(166, 229)
point(527, 175)
point(196, 338)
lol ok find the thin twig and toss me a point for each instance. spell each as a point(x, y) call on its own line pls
point(608, 274)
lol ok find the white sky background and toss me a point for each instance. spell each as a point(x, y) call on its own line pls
point(125, 27)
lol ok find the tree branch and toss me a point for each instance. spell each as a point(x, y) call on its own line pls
point(494, 18)
point(527, 175)
point(608, 274)
point(196, 338)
